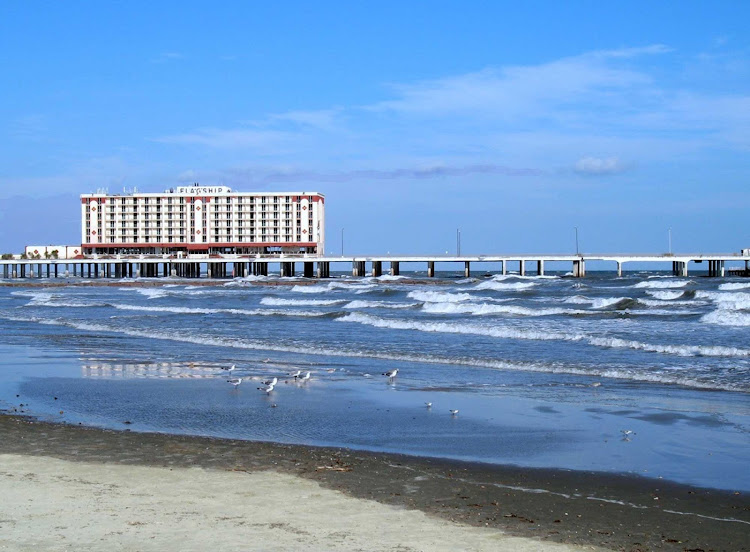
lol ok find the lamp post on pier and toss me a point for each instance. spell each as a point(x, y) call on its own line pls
point(670, 241)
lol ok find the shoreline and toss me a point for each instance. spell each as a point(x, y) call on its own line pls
point(616, 512)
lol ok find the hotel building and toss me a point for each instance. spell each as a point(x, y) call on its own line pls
point(203, 220)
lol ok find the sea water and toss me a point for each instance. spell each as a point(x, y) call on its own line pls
point(544, 371)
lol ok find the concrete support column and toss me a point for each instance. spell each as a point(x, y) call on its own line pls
point(55, 270)
point(619, 269)
point(684, 269)
point(721, 269)
point(377, 268)
point(504, 267)
point(430, 269)
point(324, 269)
point(540, 268)
point(522, 267)
point(394, 268)
point(467, 269)
point(309, 269)
point(579, 268)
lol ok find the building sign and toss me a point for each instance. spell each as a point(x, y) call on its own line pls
point(202, 190)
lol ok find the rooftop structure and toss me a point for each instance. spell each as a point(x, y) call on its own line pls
point(203, 219)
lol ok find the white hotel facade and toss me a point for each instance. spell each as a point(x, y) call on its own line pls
point(203, 220)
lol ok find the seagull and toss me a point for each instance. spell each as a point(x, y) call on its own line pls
point(296, 374)
point(271, 382)
point(305, 378)
point(627, 432)
point(232, 368)
point(236, 382)
point(391, 373)
point(268, 389)
point(428, 404)
point(454, 412)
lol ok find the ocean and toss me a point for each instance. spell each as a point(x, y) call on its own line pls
point(647, 374)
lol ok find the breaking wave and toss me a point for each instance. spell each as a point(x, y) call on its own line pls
point(665, 295)
point(439, 296)
point(551, 367)
point(538, 335)
point(662, 284)
point(279, 302)
point(504, 286)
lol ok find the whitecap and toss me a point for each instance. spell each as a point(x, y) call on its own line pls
point(662, 284)
point(500, 286)
point(665, 295)
point(439, 296)
point(734, 286)
point(722, 317)
point(279, 302)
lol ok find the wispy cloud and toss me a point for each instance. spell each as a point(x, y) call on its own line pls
point(29, 127)
point(165, 57)
point(547, 116)
point(230, 138)
point(262, 176)
point(518, 92)
point(324, 119)
point(594, 166)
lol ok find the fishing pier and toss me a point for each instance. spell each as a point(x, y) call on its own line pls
point(234, 266)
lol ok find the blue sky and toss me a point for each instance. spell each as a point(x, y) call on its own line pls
point(514, 121)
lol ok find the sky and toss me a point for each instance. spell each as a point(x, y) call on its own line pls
point(516, 122)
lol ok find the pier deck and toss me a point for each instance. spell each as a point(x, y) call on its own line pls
point(226, 266)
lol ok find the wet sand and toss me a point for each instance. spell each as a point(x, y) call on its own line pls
point(291, 497)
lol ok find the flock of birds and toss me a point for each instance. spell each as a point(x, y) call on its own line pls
point(298, 377)
point(268, 385)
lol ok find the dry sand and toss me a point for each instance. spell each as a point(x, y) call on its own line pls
point(68, 487)
point(51, 504)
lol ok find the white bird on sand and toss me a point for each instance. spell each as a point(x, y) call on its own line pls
point(428, 404)
point(267, 389)
point(391, 373)
point(236, 382)
point(305, 378)
point(296, 374)
point(454, 412)
point(627, 432)
point(271, 382)
point(232, 368)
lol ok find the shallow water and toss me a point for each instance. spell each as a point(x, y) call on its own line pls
point(545, 372)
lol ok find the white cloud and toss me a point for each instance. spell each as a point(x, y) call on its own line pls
point(594, 166)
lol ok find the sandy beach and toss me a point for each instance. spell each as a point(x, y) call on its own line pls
point(52, 504)
point(72, 488)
